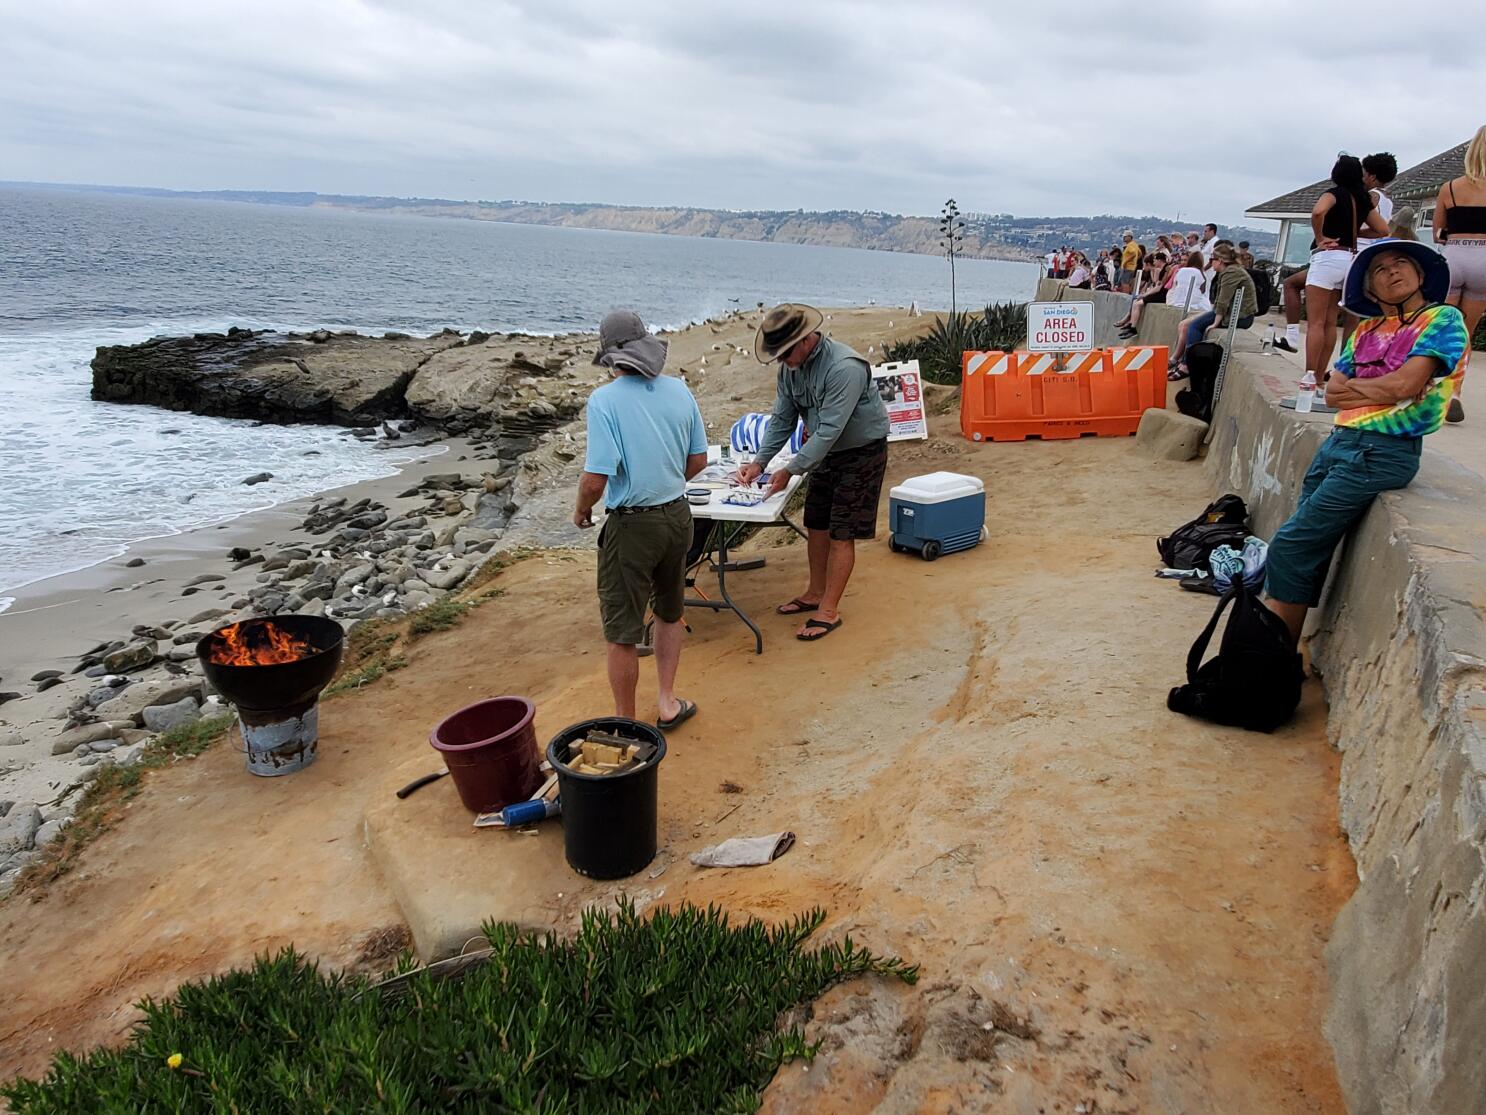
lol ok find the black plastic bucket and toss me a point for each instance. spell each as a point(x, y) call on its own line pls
point(608, 821)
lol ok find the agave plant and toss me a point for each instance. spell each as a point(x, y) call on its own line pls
point(1001, 326)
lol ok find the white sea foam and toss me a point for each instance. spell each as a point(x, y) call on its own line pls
point(83, 480)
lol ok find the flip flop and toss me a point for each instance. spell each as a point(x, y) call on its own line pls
point(797, 607)
point(688, 710)
point(817, 625)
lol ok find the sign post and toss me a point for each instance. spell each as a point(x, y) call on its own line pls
point(1060, 328)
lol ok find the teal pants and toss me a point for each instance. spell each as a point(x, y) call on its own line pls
point(1350, 469)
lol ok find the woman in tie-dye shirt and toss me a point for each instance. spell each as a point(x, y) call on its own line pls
point(1392, 385)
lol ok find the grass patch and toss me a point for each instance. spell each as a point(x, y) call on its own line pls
point(677, 1012)
point(365, 674)
point(102, 800)
point(438, 616)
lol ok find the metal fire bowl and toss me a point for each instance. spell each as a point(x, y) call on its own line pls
point(283, 686)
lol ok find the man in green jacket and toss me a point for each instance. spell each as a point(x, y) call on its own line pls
point(845, 452)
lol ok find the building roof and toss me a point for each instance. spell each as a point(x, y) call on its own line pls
point(1418, 183)
point(1423, 182)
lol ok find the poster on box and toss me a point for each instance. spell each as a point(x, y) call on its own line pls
point(902, 392)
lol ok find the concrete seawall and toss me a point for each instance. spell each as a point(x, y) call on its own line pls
point(1399, 643)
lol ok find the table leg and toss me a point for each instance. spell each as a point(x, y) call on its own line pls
point(722, 589)
point(790, 523)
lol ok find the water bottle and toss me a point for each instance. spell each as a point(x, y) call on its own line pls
point(1305, 399)
point(1268, 345)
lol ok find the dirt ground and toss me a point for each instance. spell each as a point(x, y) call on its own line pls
point(1115, 909)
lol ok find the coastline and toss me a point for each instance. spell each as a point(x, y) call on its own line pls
point(57, 623)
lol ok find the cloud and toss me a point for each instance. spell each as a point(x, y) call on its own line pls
point(1197, 108)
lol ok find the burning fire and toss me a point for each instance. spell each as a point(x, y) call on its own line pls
point(258, 644)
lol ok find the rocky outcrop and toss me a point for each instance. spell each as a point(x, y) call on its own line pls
point(519, 387)
point(330, 378)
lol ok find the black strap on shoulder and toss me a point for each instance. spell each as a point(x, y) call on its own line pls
point(1199, 648)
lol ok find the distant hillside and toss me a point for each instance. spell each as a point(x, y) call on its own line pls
point(999, 236)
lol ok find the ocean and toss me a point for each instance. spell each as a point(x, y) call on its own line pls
point(82, 480)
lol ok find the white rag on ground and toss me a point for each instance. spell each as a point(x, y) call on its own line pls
point(745, 851)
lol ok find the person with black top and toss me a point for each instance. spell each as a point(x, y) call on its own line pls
point(1460, 225)
point(1338, 215)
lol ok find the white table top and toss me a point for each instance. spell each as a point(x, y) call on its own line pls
point(770, 511)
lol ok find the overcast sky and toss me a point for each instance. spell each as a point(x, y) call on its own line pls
point(1196, 108)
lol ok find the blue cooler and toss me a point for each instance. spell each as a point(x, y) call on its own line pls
point(941, 513)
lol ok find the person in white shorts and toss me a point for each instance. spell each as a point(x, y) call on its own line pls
point(1460, 225)
point(1338, 215)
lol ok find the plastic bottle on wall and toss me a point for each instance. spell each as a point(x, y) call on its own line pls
point(1305, 399)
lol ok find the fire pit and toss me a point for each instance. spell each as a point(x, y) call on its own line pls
point(273, 670)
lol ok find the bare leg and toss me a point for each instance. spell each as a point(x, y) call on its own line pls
point(1471, 309)
point(1320, 330)
point(1292, 288)
point(1350, 322)
point(624, 675)
point(667, 639)
point(1292, 614)
point(843, 557)
point(818, 543)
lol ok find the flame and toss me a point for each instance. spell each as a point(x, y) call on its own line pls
point(258, 644)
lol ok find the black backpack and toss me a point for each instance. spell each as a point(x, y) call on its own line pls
point(1223, 523)
point(1263, 289)
point(1254, 682)
point(1203, 360)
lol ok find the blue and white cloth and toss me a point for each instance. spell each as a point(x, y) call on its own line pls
point(748, 434)
point(1227, 563)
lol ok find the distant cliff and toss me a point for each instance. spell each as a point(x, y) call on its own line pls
point(840, 228)
point(987, 236)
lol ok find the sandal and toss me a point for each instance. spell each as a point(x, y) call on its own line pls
point(816, 625)
point(688, 710)
point(1177, 374)
point(797, 607)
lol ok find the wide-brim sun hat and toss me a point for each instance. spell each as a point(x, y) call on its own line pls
point(783, 327)
point(1436, 271)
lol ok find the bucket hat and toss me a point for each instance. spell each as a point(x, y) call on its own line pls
point(625, 342)
point(1357, 298)
point(783, 326)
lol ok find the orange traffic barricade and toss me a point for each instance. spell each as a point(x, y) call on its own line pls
point(1013, 396)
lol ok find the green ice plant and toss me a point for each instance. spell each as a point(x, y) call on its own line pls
point(677, 1012)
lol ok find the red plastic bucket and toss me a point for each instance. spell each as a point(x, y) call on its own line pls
point(491, 751)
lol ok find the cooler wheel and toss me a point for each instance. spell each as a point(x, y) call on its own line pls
point(931, 550)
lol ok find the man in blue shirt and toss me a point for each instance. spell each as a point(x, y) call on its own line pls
point(646, 439)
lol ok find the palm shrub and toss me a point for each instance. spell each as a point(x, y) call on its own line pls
point(1000, 327)
point(674, 1013)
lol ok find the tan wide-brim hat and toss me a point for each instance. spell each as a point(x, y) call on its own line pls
point(783, 326)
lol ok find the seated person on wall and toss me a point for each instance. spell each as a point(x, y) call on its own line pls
point(1230, 279)
point(1393, 383)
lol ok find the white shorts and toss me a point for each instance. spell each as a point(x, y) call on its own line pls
point(1329, 269)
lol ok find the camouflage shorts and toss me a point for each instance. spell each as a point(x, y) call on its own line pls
point(844, 492)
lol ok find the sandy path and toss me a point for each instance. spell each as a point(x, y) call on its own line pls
point(979, 766)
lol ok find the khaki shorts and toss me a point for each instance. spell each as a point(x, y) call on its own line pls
point(642, 556)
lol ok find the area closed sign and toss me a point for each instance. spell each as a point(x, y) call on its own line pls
point(1060, 326)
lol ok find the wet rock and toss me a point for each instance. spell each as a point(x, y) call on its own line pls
point(134, 657)
point(134, 563)
point(49, 683)
point(162, 718)
point(43, 675)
